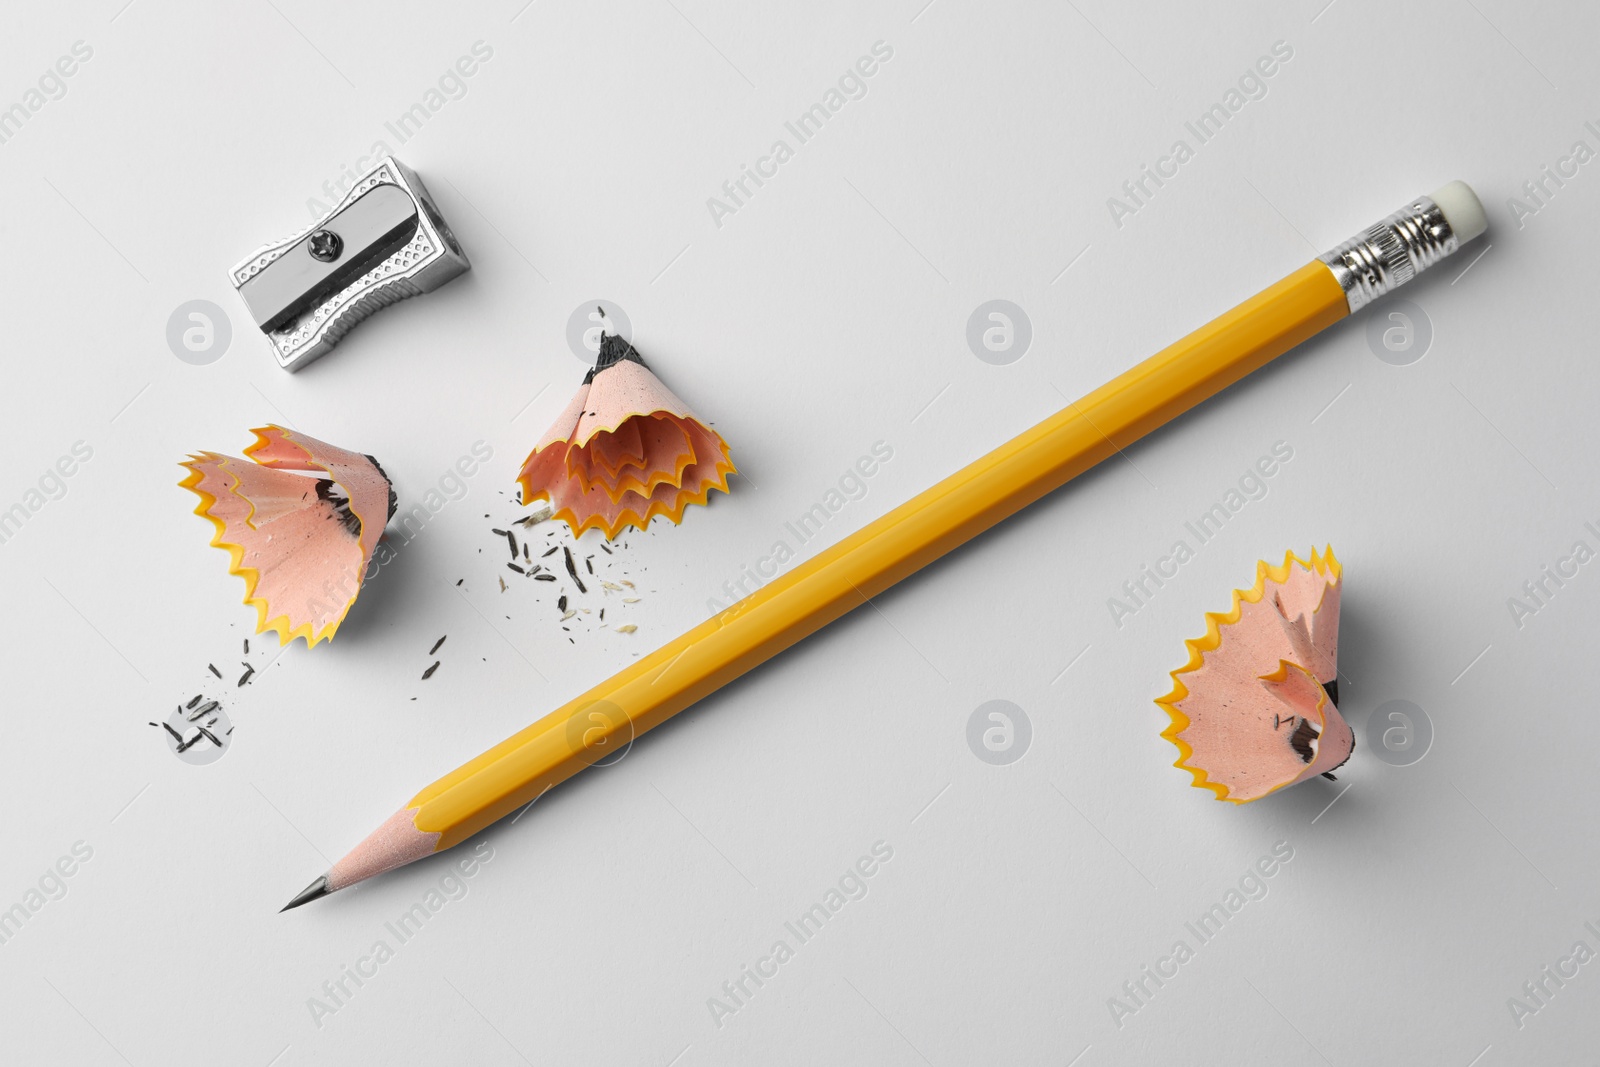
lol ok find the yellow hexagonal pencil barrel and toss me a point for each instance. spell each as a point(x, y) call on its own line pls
point(789, 608)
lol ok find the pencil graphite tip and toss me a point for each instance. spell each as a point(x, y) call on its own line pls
point(316, 889)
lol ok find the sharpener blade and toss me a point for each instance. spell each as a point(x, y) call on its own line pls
point(364, 234)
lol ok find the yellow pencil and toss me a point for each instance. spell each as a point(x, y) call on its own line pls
point(1114, 416)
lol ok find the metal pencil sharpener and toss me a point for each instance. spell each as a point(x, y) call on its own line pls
point(383, 242)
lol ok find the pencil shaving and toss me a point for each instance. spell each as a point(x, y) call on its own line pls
point(1253, 711)
point(625, 450)
point(300, 524)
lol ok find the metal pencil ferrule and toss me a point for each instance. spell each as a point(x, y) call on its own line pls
point(1384, 257)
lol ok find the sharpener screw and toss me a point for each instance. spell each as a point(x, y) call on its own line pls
point(326, 246)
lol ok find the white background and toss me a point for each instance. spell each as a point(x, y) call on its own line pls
point(827, 314)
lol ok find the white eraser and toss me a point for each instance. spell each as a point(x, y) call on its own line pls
point(1462, 210)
